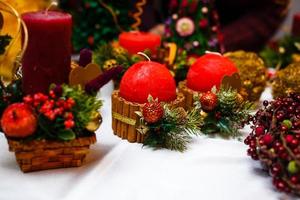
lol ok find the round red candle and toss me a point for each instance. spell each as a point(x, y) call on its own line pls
point(48, 56)
point(296, 25)
point(136, 41)
point(208, 71)
point(145, 78)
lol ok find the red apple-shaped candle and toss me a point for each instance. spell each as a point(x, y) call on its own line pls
point(148, 78)
point(208, 71)
point(136, 41)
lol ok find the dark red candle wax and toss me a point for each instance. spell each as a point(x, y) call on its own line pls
point(48, 56)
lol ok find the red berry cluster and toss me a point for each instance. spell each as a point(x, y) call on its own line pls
point(53, 106)
point(275, 140)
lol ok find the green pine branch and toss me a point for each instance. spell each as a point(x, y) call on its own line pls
point(174, 131)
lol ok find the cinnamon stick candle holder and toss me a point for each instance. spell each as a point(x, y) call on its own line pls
point(188, 94)
point(125, 120)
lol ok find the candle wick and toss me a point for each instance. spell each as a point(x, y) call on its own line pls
point(145, 55)
point(213, 52)
point(53, 3)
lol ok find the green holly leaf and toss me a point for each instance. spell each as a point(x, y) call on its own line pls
point(66, 134)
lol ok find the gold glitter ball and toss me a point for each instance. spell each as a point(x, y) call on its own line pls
point(287, 80)
point(252, 71)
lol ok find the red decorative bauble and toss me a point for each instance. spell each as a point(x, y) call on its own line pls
point(148, 78)
point(153, 112)
point(209, 101)
point(18, 120)
point(208, 71)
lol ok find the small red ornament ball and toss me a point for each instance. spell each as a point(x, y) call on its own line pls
point(18, 120)
point(208, 71)
point(209, 101)
point(148, 78)
point(153, 112)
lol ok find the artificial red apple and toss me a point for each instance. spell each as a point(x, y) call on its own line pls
point(148, 78)
point(18, 120)
point(208, 71)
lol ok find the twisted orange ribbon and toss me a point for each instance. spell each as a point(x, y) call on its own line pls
point(137, 15)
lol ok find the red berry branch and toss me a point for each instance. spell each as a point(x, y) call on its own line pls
point(275, 140)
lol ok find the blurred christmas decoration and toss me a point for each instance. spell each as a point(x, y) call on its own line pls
point(281, 53)
point(193, 25)
point(137, 15)
point(252, 72)
point(287, 80)
point(103, 20)
point(274, 141)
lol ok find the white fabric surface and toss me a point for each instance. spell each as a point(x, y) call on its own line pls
point(211, 168)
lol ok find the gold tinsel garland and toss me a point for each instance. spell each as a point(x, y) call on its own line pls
point(252, 71)
point(287, 80)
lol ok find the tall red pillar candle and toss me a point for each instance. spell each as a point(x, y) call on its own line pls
point(48, 56)
point(136, 41)
point(296, 25)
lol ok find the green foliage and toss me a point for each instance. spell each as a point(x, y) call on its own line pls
point(94, 23)
point(84, 107)
point(117, 55)
point(280, 55)
point(174, 130)
point(232, 111)
point(12, 93)
point(4, 42)
point(82, 111)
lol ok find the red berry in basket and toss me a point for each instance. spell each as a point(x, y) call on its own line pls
point(18, 120)
point(69, 124)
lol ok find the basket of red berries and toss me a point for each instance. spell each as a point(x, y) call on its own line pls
point(275, 139)
point(52, 130)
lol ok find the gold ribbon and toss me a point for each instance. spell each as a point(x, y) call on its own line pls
point(11, 60)
point(124, 119)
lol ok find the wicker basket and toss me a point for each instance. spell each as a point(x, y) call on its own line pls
point(124, 118)
point(188, 94)
point(45, 154)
